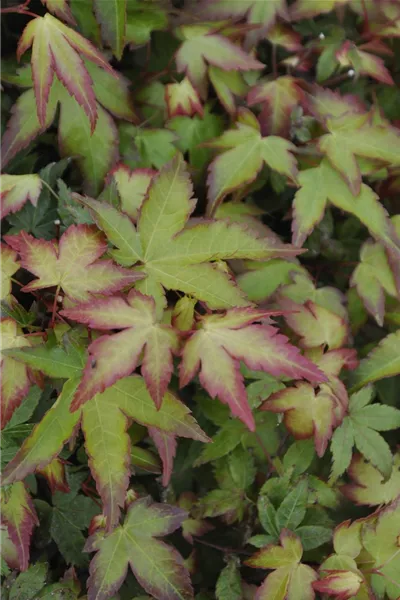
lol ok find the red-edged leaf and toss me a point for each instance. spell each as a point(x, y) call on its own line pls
point(113, 357)
point(111, 14)
point(182, 99)
point(221, 341)
point(72, 263)
point(368, 486)
point(132, 187)
point(9, 266)
point(18, 513)
point(16, 190)
point(61, 9)
point(54, 472)
point(14, 375)
point(166, 446)
point(340, 584)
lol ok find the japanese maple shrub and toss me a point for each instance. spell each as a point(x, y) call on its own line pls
point(200, 298)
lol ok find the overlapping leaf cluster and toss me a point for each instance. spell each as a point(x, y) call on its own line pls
point(200, 296)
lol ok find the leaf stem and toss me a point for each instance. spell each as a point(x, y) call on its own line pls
point(53, 314)
point(222, 548)
point(56, 196)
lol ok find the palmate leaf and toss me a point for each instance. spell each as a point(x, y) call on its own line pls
point(20, 517)
point(244, 153)
point(322, 184)
point(14, 375)
point(9, 266)
point(383, 361)
point(118, 355)
point(56, 50)
point(221, 341)
point(201, 47)
point(16, 190)
point(176, 257)
point(260, 13)
point(367, 486)
point(131, 186)
point(72, 264)
point(290, 580)
point(158, 567)
point(182, 99)
point(360, 428)
point(112, 17)
point(104, 424)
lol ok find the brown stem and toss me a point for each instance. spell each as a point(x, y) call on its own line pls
point(53, 314)
point(222, 548)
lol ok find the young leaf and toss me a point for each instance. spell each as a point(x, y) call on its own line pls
point(221, 341)
point(360, 428)
point(71, 264)
point(323, 183)
point(245, 152)
point(20, 518)
point(116, 356)
point(383, 361)
point(112, 18)
point(9, 266)
point(290, 579)
point(368, 486)
point(341, 584)
point(292, 511)
point(16, 190)
point(55, 50)
point(61, 9)
point(158, 567)
point(278, 99)
point(132, 187)
point(201, 48)
point(182, 99)
point(14, 375)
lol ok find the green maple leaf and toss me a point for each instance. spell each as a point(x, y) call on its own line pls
point(290, 579)
point(157, 566)
point(176, 257)
point(112, 18)
point(322, 184)
point(104, 424)
point(383, 361)
point(360, 428)
point(244, 153)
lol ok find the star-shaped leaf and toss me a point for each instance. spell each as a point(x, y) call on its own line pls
point(158, 567)
point(71, 264)
point(112, 357)
point(56, 49)
point(222, 340)
point(244, 153)
point(290, 580)
point(16, 190)
point(182, 99)
point(202, 47)
point(176, 257)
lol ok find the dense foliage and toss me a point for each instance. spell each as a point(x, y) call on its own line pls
point(200, 300)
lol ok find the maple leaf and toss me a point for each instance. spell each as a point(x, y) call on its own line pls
point(373, 277)
point(182, 99)
point(244, 153)
point(118, 355)
point(56, 49)
point(227, 85)
point(193, 525)
point(201, 47)
point(368, 486)
point(323, 183)
point(290, 579)
point(278, 98)
point(16, 190)
point(174, 256)
point(360, 428)
point(71, 264)
point(324, 103)
point(19, 515)
point(9, 266)
point(158, 567)
point(260, 13)
point(112, 18)
point(306, 413)
point(383, 361)
point(15, 380)
point(166, 445)
point(132, 187)
point(54, 473)
point(222, 340)
point(380, 538)
point(363, 62)
point(350, 137)
point(61, 9)
point(107, 413)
